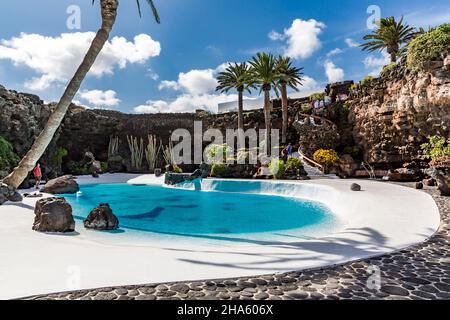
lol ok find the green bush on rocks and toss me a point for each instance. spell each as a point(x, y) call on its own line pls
point(428, 46)
point(8, 159)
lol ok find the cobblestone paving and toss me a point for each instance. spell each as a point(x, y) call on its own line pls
point(419, 272)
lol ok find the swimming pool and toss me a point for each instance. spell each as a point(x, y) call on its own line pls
point(157, 209)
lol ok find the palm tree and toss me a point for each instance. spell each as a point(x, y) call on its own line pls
point(236, 76)
point(390, 35)
point(290, 76)
point(264, 73)
point(108, 14)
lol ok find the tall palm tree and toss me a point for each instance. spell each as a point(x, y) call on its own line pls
point(108, 14)
point(289, 76)
point(390, 35)
point(236, 76)
point(264, 73)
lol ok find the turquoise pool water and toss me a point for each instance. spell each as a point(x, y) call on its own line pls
point(177, 211)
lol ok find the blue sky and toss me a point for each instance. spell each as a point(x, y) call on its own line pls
point(171, 67)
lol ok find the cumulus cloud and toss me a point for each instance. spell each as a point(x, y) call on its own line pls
point(375, 64)
point(351, 43)
point(55, 59)
point(100, 98)
point(186, 103)
point(334, 74)
point(302, 38)
point(334, 52)
point(275, 36)
point(309, 87)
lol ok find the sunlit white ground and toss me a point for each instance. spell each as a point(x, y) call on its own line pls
point(382, 218)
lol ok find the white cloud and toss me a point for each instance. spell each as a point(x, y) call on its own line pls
point(152, 75)
point(334, 74)
point(302, 38)
point(167, 84)
point(376, 64)
point(334, 52)
point(100, 98)
point(186, 103)
point(309, 87)
point(275, 36)
point(198, 81)
point(351, 43)
point(55, 59)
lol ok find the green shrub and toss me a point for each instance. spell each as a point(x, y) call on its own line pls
point(305, 107)
point(428, 46)
point(58, 157)
point(104, 166)
point(276, 167)
point(217, 152)
point(325, 157)
point(354, 87)
point(78, 169)
point(436, 147)
point(219, 170)
point(294, 163)
point(8, 159)
point(317, 96)
point(345, 108)
point(389, 67)
point(366, 79)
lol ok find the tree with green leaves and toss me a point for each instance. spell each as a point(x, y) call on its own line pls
point(390, 36)
point(264, 73)
point(289, 76)
point(108, 14)
point(236, 76)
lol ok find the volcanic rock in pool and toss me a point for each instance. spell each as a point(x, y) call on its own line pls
point(148, 215)
point(53, 215)
point(64, 184)
point(101, 218)
point(355, 187)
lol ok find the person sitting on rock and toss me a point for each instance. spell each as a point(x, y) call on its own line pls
point(37, 175)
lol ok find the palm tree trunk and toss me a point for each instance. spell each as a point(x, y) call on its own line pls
point(240, 109)
point(268, 119)
point(109, 13)
point(284, 109)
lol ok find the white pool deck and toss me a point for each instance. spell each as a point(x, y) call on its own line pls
point(381, 218)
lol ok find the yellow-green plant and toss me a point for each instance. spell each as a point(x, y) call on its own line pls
point(276, 167)
point(436, 147)
point(326, 157)
point(294, 163)
point(152, 151)
point(137, 151)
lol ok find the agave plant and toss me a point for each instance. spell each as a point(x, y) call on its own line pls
point(108, 14)
point(390, 36)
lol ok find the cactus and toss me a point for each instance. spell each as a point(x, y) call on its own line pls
point(152, 151)
point(113, 148)
point(137, 151)
point(168, 154)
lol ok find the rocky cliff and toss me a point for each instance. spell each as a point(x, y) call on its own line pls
point(393, 115)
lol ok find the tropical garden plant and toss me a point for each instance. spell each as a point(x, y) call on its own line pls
point(108, 9)
point(8, 158)
point(390, 35)
point(436, 147)
point(276, 167)
point(264, 73)
point(289, 76)
point(428, 46)
point(236, 76)
point(326, 157)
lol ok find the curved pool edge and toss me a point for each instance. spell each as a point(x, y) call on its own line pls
point(369, 234)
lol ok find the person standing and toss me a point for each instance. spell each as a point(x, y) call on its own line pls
point(37, 172)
